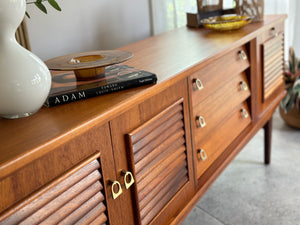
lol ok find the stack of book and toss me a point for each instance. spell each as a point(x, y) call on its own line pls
point(65, 88)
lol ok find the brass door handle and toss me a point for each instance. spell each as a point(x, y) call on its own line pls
point(243, 86)
point(201, 121)
point(117, 185)
point(242, 55)
point(199, 84)
point(201, 154)
point(244, 113)
point(128, 178)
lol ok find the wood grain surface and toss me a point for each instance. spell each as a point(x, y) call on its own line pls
point(40, 152)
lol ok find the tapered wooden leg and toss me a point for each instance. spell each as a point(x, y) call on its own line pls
point(268, 139)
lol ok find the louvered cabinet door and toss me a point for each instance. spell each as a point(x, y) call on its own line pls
point(77, 197)
point(273, 59)
point(267, 69)
point(153, 138)
point(160, 160)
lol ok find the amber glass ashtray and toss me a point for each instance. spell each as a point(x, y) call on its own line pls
point(226, 22)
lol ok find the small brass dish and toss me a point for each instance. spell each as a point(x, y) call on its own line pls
point(226, 22)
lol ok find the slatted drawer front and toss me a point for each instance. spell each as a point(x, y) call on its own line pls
point(207, 151)
point(273, 54)
point(160, 158)
point(77, 199)
point(215, 75)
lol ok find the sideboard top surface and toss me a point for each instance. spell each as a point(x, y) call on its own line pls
point(172, 56)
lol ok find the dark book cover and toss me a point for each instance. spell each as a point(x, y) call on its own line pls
point(65, 88)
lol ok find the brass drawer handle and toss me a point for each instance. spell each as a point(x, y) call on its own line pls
point(274, 32)
point(199, 84)
point(201, 121)
point(243, 86)
point(128, 178)
point(244, 113)
point(242, 55)
point(115, 184)
point(201, 154)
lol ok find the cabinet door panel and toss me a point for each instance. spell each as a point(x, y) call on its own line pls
point(154, 137)
point(80, 193)
point(273, 57)
point(267, 74)
point(62, 157)
point(69, 199)
point(152, 140)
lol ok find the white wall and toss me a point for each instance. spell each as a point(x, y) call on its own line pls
point(87, 25)
point(297, 31)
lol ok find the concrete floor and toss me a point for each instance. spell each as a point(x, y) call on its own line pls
point(249, 192)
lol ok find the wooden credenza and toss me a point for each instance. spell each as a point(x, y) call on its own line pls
point(146, 155)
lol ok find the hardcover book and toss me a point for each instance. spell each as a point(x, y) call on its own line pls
point(65, 88)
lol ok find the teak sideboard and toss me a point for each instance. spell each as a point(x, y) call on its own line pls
point(148, 154)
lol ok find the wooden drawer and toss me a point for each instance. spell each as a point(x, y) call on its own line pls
point(212, 111)
point(213, 76)
point(273, 31)
point(75, 197)
point(208, 149)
